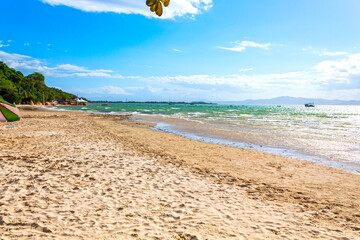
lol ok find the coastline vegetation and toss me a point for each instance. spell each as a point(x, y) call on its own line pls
point(17, 88)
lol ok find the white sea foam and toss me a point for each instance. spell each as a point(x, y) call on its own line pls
point(328, 132)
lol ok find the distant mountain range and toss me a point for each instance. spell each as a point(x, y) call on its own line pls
point(291, 101)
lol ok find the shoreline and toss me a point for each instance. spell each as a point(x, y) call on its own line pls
point(167, 125)
point(327, 153)
point(111, 177)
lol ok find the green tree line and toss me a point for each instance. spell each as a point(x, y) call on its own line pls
point(17, 88)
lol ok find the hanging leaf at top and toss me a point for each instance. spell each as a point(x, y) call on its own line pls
point(156, 5)
point(165, 2)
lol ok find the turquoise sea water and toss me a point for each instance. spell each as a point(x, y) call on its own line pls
point(322, 134)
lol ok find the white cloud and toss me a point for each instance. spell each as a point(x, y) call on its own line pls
point(24, 62)
point(20, 61)
point(311, 50)
point(306, 49)
point(331, 79)
point(239, 80)
point(175, 9)
point(344, 71)
point(253, 44)
point(246, 69)
point(241, 46)
point(176, 50)
point(4, 45)
point(105, 90)
point(326, 53)
point(328, 79)
point(26, 44)
point(235, 49)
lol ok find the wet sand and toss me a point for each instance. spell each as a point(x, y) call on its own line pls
point(338, 153)
point(86, 176)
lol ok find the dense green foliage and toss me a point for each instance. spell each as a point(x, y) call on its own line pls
point(17, 88)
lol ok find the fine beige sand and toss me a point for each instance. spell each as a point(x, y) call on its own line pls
point(86, 176)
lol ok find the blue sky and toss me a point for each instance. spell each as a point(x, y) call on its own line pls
point(208, 50)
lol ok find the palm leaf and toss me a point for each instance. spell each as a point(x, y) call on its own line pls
point(158, 9)
point(156, 5)
point(165, 2)
point(150, 2)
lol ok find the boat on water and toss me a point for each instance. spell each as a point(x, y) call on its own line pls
point(309, 104)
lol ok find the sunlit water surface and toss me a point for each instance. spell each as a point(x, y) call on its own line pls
point(327, 135)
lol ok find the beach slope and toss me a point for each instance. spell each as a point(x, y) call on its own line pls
point(87, 176)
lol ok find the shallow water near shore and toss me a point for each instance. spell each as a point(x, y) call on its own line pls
point(328, 135)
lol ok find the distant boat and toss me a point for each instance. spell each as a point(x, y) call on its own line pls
point(104, 104)
point(309, 104)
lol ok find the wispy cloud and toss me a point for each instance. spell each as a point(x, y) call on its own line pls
point(176, 50)
point(246, 69)
point(314, 51)
point(326, 53)
point(26, 44)
point(344, 71)
point(323, 52)
point(308, 48)
point(330, 78)
point(113, 90)
point(24, 62)
point(325, 79)
point(237, 80)
point(234, 49)
point(4, 45)
point(241, 46)
point(175, 9)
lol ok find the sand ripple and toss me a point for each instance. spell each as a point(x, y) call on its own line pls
point(63, 176)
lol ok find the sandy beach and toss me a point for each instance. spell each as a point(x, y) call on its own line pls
point(67, 175)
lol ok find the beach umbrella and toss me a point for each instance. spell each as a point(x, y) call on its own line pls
point(8, 112)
